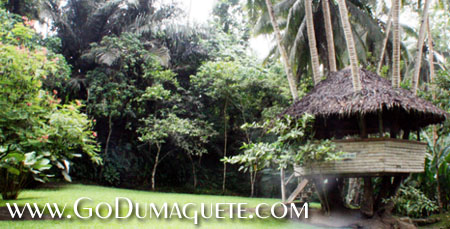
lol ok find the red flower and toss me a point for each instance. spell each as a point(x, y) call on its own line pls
point(29, 104)
point(45, 137)
point(94, 133)
point(55, 92)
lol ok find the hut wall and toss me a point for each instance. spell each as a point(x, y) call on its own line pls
point(371, 157)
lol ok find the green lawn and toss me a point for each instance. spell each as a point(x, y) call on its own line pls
point(70, 193)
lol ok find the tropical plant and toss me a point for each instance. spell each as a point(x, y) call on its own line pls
point(412, 202)
point(287, 142)
point(236, 92)
point(187, 134)
point(420, 41)
point(282, 50)
point(36, 132)
point(438, 167)
point(102, 18)
point(292, 21)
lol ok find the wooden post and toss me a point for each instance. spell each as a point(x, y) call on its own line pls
point(322, 193)
point(380, 123)
point(362, 126)
point(367, 203)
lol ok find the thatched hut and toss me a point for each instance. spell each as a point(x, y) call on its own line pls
point(366, 125)
point(338, 109)
point(378, 110)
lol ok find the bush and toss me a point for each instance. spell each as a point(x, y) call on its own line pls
point(36, 132)
point(413, 203)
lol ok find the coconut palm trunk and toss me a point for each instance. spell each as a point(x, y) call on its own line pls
point(356, 80)
point(329, 34)
point(282, 50)
point(431, 59)
point(386, 39)
point(396, 43)
point(312, 41)
point(419, 50)
point(432, 72)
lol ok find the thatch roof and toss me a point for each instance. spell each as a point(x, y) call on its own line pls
point(334, 98)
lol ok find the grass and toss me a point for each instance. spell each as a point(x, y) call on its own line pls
point(68, 194)
point(443, 223)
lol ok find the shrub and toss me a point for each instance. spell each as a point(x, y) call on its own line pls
point(413, 202)
point(36, 132)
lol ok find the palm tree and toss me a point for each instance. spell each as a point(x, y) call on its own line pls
point(293, 24)
point(386, 39)
point(282, 50)
point(396, 44)
point(329, 34)
point(312, 41)
point(356, 80)
point(288, 70)
point(431, 58)
point(418, 60)
point(101, 18)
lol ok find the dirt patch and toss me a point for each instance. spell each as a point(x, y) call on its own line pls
point(5, 215)
point(349, 218)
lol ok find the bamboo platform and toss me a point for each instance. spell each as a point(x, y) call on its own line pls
point(371, 157)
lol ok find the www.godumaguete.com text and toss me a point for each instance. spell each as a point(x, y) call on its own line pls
point(124, 208)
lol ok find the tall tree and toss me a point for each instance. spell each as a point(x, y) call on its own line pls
point(418, 60)
point(386, 39)
point(431, 59)
point(292, 16)
point(312, 41)
point(282, 50)
point(329, 34)
point(356, 80)
point(396, 43)
point(287, 69)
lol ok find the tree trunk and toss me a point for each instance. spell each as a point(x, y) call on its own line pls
point(438, 189)
point(356, 80)
point(109, 134)
point(312, 41)
point(432, 73)
point(396, 44)
point(393, 192)
point(386, 39)
point(431, 59)
point(283, 185)
point(252, 182)
point(194, 173)
point(155, 165)
point(225, 120)
point(329, 35)
point(419, 50)
point(284, 56)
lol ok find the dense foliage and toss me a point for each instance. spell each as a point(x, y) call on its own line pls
point(285, 142)
point(37, 132)
point(172, 101)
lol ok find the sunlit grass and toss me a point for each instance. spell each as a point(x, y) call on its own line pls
point(68, 194)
